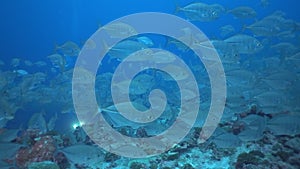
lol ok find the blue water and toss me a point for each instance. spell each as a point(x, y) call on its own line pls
point(30, 30)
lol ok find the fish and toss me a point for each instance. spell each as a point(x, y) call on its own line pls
point(113, 116)
point(227, 52)
point(284, 124)
point(8, 151)
point(239, 77)
point(40, 63)
point(243, 12)
point(178, 72)
point(38, 122)
point(272, 25)
point(163, 57)
point(227, 30)
point(278, 84)
point(202, 12)
point(8, 135)
point(28, 63)
point(145, 40)
point(286, 35)
point(293, 58)
point(142, 56)
point(262, 29)
point(58, 61)
point(223, 139)
point(21, 72)
point(116, 120)
point(135, 86)
point(69, 48)
point(52, 122)
point(81, 154)
point(3, 122)
point(124, 48)
point(8, 109)
point(284, 49)
point(179, 42)
point(270, 102)
point(90, 44)
point(142, 84)
point(217, 10)
point(192, 9)
point(2, 63)
point(119, 30)
point(255, 126)
point(260, 59)
point(264, 3)
point(245, 44)
point(235, 101)
point(15, 62)
point(32, 81)
point(283, 75)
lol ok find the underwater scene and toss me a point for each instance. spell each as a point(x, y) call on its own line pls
point(170, 84)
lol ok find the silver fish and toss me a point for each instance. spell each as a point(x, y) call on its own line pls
point(245, 44)
point(243, 12)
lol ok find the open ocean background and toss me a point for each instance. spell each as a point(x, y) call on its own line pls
point(256, 129)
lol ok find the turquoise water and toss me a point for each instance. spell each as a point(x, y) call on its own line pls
point(257, 43)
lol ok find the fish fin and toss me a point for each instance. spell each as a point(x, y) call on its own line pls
point(43, 112)
point(82, 42)
point(177, 7)
point(105, 46)
point(62, 65)
point(233, 43)
point(100, 25)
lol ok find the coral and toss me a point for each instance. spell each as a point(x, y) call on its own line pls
point(42, 150)
point(110, 157)
point(294, 144)
point(170, 156)
point(253, 157)
point(188, 166)
point(237, 127)
point(295, 160)
point(127, 131)
point(283, 155)
point(141, 132)
point(61, 160)
point(22, 157)
point(137, 165)
point(166, 168)
point(256, 153)
point(153, 166)
point(43, 165)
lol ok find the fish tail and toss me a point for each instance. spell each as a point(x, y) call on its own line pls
point(105, 46)
point(227, 10)
point(244, 27)
point(178, 8)
point(167, 42)
point(295, 28)
point(56, 47)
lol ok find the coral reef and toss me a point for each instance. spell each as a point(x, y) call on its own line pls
point(43, 165)
point(42, 150)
